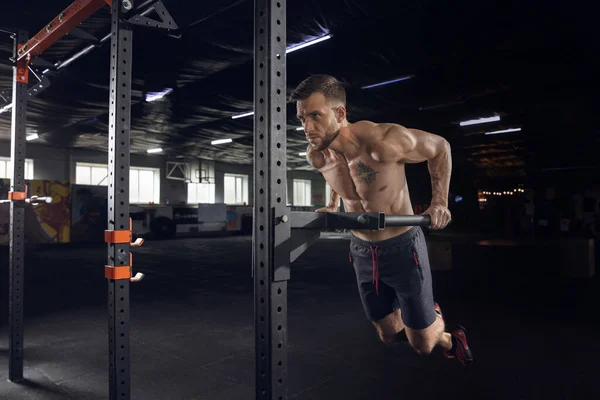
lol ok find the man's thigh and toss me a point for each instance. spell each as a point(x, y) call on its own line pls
point(378, 299)
point(413, 284)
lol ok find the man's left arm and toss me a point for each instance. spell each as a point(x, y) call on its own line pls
point(413, 146)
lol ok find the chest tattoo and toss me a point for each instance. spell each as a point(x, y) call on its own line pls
point(365, 173)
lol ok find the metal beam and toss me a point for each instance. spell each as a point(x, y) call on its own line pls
point(301, 240)
point(72, 16)
point(10, 31)
point(354, 220)
point(307, 226)
point(271, 236)
point(118, 204)
point(338, 220)
point(17, 216)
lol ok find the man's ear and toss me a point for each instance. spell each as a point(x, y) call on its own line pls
point(340, 114)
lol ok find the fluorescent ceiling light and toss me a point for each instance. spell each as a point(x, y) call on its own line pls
point(242, 115)
point(302, 153)
point(221, 141)
point(289, 50)
point(503, 131)
point(5, 108)
point(480, 120)
point(158, 150)
point(153, 96)
point(404, 78)
point(300, 129)
point(306, 44)
point(32, 136)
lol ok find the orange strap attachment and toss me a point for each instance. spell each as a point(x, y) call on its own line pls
point(117, 236)
point(115, 273)
point(17, 196)
point(123, 271)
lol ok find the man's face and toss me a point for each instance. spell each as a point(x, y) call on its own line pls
point(318, 117)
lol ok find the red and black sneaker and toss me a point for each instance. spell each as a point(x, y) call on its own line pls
point(460, 348)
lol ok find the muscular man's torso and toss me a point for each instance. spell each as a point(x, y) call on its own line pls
point(368, 185)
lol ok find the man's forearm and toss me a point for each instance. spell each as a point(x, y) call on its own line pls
point(440, 169)
point(334, 200)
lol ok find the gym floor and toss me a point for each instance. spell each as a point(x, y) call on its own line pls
point(533, 336)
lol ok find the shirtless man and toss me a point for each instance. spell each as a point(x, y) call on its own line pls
point(363, 162)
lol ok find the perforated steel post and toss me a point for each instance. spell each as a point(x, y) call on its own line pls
point(271, 256)
point(118, 201)
point(17, 214)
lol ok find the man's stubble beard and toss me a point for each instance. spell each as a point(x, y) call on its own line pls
point(329, 138)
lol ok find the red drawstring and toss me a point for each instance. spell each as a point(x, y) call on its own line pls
point(415, 255)
point(375, 258)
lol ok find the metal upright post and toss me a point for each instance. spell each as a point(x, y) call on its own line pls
point(17, 211)
point(271, 254)
point(118, 236)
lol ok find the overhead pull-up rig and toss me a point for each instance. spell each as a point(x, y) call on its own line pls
point(27, 57)
point(280, 236)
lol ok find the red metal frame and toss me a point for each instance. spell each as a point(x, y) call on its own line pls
point(72, 16)
point(22, 68)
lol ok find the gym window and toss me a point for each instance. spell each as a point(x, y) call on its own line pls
point(6, 168)
point(201, 193)
point(91, 174)
point(236, 189)
point(302, 192)
point(144, 183)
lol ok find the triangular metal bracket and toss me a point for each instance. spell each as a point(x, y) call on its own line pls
point(42, 63)
point(301, 240)
point(86, 36)
point(166, 21)
point(39, 87)
point(32, 91)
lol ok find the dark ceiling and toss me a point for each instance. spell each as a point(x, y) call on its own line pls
point(532, 63)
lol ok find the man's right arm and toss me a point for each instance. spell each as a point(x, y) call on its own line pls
point(334, 203)
point(315, 158)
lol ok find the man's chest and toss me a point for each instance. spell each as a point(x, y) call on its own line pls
point(360, 176)
point(368, 177)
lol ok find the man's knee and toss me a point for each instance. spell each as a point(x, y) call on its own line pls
point(425, 340)
point(423, 348)
point(399, 337)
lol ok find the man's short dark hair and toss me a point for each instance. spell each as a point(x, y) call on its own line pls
point(332, 89)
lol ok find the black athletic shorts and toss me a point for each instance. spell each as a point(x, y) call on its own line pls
point(395, 274)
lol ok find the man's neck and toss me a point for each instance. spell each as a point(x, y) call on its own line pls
point(346, 142)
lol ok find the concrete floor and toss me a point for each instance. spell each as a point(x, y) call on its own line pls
point(192, 327)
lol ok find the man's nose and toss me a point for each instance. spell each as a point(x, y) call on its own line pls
point(307, 127)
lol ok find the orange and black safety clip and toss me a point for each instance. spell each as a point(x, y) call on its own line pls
point(118, 272)
point(22, 196)
point(16, 196)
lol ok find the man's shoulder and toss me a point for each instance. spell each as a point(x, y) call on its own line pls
point(364, 126)
point(375, 131)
